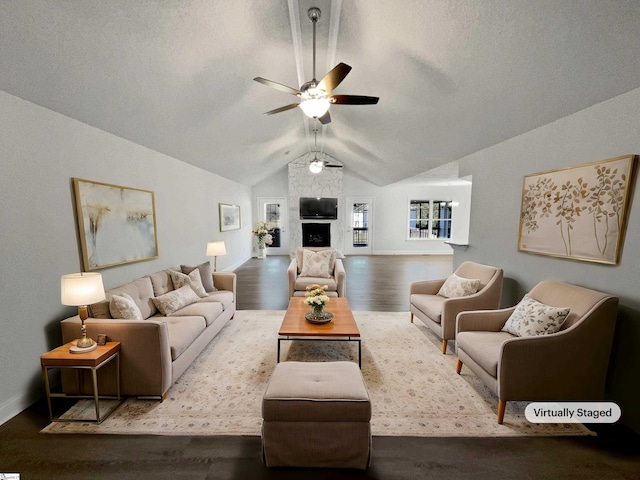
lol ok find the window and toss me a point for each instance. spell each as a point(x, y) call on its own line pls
point(429, 219)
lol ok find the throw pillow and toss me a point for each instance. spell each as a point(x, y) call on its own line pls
point(123, 306)
point(455, 286)
point(534, 318)
point(205, 275)
point(193, 280)
point(175, 300)
point(316, 264)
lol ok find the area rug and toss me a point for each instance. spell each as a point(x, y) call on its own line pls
point(413, 387)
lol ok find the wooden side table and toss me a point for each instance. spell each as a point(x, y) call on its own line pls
point(61, 357)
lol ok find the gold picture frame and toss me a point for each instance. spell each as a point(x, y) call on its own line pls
point(116, 224)
point(229, 217)
point(578, 212)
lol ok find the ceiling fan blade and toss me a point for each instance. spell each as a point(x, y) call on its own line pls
point(326, 118)
point(332, 79)
point(333, 166)
point(277, 86)
point(353, 100)
point(282, 109)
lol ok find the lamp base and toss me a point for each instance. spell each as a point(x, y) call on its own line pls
point(76, 349)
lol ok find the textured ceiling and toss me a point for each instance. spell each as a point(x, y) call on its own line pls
point(453, 76)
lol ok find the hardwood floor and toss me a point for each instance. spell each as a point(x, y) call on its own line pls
point(374, 283)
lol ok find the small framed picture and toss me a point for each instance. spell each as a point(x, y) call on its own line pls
point(102, 339)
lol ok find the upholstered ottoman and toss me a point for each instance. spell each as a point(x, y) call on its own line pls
point(316, 414)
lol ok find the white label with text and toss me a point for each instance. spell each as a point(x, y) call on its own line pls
point(572, 412)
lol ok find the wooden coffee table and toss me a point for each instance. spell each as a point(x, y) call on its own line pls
point(343, 327)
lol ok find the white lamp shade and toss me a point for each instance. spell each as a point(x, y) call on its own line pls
point(79, 289)
point(216, 248)
point(315, 107)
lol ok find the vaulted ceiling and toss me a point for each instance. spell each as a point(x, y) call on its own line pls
point(453, 76)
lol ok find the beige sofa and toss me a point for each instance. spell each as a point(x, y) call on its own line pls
point(157, 349)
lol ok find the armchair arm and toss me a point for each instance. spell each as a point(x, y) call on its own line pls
point(145, 354)
point(341, 277)
point(568, 370)
point(292, 274)
point(451, 307)
point(225, 281)
point(482, 320)
point(426, 287)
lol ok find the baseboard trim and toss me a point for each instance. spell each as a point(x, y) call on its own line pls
point(16, 405)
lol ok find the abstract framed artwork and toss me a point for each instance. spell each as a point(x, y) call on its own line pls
point(229, 217)
point(578, 212)
point(116, 224)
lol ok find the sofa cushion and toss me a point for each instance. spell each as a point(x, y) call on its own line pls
point(141, 290)
point(207, 310)
point(316, 264)
point(205, 275)
point(302, 283)
point(182, 332)
point(123, 306)
point(532, 317)
point(222, 296)
point(430, 305)
point(161, 282)
point(193, 279)
point(455, 286)
point(175, 300)
point(484, 348)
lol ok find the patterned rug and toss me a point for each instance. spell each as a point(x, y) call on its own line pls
point(413, 387)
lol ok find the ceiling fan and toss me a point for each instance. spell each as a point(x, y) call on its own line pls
point(316, 165)
point(315, 97)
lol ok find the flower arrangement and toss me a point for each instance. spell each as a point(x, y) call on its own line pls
point(316, 297)
point(263, 233)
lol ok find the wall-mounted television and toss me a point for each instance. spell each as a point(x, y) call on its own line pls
point(318, 208)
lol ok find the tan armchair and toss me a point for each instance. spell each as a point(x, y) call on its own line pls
point(336, 282)
point(569, 365)
point(439, 313)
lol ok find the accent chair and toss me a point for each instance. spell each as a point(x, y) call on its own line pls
point(531, 362)
point(316, 265)
point(428, 302)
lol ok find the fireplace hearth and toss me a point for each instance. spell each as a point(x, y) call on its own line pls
point(316, 234)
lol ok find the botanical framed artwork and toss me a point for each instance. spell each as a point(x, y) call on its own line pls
point(116, 224)
point(229, 217)
point(578, 212)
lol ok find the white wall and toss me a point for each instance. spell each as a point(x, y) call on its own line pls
point(390, 210)
point(606, 130)
point(40, 151)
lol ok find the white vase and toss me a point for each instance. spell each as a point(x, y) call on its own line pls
point(262, 250)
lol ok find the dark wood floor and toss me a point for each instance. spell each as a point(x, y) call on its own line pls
point(374, 283)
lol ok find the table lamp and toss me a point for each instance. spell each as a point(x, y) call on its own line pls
point(81, 290)
point(214, 249)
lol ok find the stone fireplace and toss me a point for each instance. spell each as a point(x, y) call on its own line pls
point(326, 184)
point(316, 234)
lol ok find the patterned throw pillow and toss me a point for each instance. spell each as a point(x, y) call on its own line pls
point(534, 318)
point(316, 264)
point(193, 280)
point(175, 300)
point(123, 306)
point(455, 286)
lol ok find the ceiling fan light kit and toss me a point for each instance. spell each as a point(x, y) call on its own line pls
point(316, 166)
point(315, 107)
